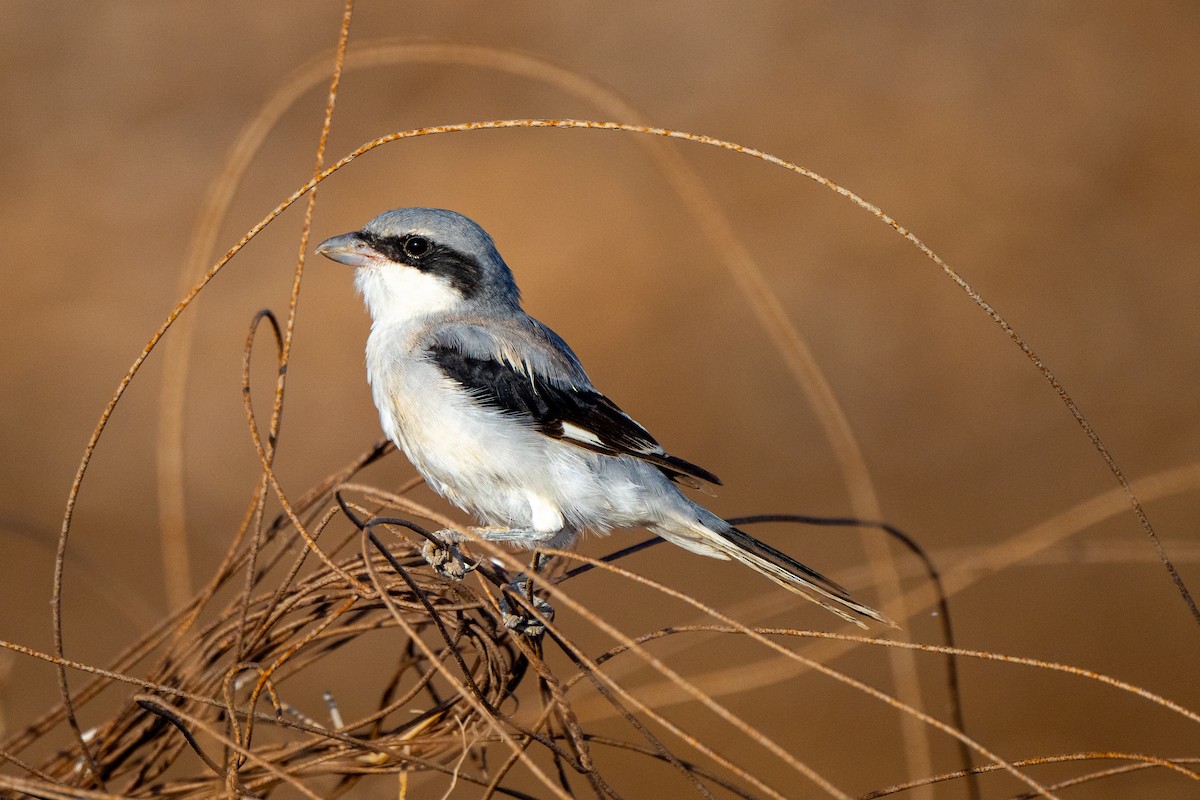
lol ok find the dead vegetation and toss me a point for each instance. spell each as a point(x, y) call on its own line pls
point(474, 688)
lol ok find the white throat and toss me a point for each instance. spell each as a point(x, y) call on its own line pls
point(395, 293)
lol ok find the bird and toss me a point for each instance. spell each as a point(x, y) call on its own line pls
point(496, 413)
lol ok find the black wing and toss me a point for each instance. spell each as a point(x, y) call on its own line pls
point(581, 416)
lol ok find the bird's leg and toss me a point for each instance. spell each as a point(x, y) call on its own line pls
point(516, 619)
point(444, 556)
point(446, 559)
point(523, 535)
point(514, 615)
point(538, 562)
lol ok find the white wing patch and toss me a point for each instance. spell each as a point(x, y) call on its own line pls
point(573, 431)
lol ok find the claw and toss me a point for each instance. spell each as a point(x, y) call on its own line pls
point(446, 560)
point(514, 618)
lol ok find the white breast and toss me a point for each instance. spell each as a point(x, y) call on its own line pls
point(495, 466)
point(480, 461)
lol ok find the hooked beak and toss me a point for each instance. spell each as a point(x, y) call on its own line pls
point(349, 248)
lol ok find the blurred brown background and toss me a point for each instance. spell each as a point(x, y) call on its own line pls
point(1048, 152)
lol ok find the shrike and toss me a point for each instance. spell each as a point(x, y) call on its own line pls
point(496, 413)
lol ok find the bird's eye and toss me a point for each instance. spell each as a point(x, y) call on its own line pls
point(416, 246)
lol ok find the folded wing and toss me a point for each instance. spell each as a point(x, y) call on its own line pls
point(567, 407)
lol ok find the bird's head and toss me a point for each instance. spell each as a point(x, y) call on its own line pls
point(414, 262)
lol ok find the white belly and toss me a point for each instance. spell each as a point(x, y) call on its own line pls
point(499, 468)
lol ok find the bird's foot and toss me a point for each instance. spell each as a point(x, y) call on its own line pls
point(445, 557)
point(513, 614)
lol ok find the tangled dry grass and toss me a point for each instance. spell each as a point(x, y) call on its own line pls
point(474, 686)
point(468, 693)
point(335, 592)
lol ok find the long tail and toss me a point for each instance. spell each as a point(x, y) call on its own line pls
point(706, 533)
